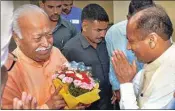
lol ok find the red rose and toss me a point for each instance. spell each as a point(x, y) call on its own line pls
point(85, 78)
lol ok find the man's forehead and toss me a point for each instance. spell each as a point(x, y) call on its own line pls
point(34, 20)
point(33, 16)
point(132, 22)
point(130, 29)
point(136, 17)
point(100, 24)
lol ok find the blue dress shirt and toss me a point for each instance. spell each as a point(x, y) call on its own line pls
point(74, 17)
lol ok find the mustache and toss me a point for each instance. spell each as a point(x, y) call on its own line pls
point(55, 14)
point(64, 9)
point(101, 38)
point(43, 48)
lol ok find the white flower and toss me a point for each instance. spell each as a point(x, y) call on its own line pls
point(67, 80)
point(69, 72)
point(79, 75)
point(61, 76)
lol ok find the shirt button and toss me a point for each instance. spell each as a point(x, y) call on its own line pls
point(141, 94)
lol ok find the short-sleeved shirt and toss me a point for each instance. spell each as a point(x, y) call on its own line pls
point(74, 17)
point(63, 32)
point(78, 49)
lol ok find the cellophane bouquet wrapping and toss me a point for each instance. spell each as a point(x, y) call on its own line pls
point(77, 83)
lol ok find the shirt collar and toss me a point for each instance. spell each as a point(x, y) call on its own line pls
point(160, 60)
point(61, 22)
point(85, 43)
point(21, 55)
point(83, 40)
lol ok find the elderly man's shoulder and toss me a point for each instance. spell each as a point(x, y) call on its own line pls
point(56, 52)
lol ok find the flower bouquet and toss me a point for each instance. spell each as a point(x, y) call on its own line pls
point(78, 84)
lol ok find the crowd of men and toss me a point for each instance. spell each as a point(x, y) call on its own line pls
point(133, 59)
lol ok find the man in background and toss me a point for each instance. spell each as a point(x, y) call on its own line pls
point(89, 47)
point(72, 13)
point(63, 30)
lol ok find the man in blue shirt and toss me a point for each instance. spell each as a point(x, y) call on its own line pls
point(71, 13)
point(116, 39)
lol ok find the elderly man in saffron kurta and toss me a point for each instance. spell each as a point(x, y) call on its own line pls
point(37, 60)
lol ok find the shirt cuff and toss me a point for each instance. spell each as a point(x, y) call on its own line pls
point(127, 89)
point(128, 97)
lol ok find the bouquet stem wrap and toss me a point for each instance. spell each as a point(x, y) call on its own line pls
point(72, 101)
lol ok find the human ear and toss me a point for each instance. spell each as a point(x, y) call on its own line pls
point(16, 39)
point(152, 40)
point(84, 26)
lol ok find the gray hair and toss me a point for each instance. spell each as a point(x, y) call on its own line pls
point(19, 12)
point(155, 19)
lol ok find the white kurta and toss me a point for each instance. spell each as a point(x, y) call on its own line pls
point(154, 86)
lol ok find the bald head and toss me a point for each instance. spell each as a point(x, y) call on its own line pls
point(148, 33)
point(153, 19)
point(32, 32)
point(25, 10)
point(33, 20)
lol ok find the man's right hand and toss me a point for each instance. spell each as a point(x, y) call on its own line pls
point(56, 101)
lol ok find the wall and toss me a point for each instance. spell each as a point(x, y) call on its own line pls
point(19, 3)
point(117, 10)
point(121, 9)
point(107, 5)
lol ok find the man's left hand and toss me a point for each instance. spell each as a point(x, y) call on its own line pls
point(124, 71)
